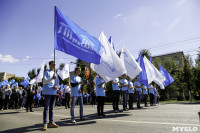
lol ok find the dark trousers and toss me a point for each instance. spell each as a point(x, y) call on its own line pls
point(67, 99)
point(145, 99)
point(93, 98)
point(49, 102)
point(130, 100)
point(100, 105)
point(116, 99)
point(139, 94)
point(125, 99)
point(29, 102)
point(1, 104)
point(151, 98)
point(16, 100)
point(6, 102)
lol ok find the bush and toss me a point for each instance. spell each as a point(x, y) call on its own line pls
point(180, 98)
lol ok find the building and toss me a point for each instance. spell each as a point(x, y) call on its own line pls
point(4, 75)
point(176, 56)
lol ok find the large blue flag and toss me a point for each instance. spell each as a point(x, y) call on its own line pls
point(71, 39)
point(142, 74)
point(169, 78)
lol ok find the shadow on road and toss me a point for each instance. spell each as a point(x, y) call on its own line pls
point(8, 113)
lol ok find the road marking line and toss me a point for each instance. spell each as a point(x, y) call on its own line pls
point(137, 122)
point(146, 122)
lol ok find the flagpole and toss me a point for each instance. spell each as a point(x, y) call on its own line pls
point(54, 41)
point(69, 77)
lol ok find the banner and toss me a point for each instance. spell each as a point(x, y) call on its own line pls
point(64, 73)
point(110, 66)
point(132, 67)
point(71, 39)
point(39, 77)
point(155, 75)
point(169, 78)
point(149, 70)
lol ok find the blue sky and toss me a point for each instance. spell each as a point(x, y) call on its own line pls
point(162, 26)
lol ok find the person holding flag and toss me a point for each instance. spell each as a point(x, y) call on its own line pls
point(30, 96)
point(50, 86)
point(116, 93)
point(155, 95)
point(76, 94)
point(100, 93)
point(67, 92)
point(151, 93)
point(130, 93)
point(145, 93)
point(138, 87)
point(124, 84)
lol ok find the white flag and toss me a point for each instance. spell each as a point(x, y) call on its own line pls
point(132, 67)
point(39, 77)
point(158, 77)
point(110, 66)
point(64, 73)
point(149, 70)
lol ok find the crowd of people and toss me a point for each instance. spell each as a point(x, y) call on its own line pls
point(71, 94)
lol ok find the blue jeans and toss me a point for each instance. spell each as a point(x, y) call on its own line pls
point(139, 94)
point(125, 99)
point(49, 102)
point(80, 100)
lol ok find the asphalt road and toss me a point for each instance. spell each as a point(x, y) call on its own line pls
point(165, 118)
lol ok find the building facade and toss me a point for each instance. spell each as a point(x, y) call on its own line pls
point(4, 75)
point(178, 57)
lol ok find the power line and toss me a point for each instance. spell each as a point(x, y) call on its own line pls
point(173, 43)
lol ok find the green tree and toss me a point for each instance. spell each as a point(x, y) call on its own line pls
point(32, 74)
point(188, 76)
point(171, 91)
point(198, 58)
point(196, 73)
point(147, 53)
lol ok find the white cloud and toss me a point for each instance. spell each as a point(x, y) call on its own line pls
point(26, 58)
point(118, 15)
point(8, 59)
point(173, 24)
point(180, 3)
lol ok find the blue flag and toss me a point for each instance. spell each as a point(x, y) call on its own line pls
point(150, 59)
point(15, 84)
point(142, 74)
point(12, 81)
point(71, 39)
point(25, 82)
point(169, 78)
point(111, 42)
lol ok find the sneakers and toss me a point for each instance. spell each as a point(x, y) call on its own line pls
point(53, 125)
point(73, 121)
point(44, 127)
